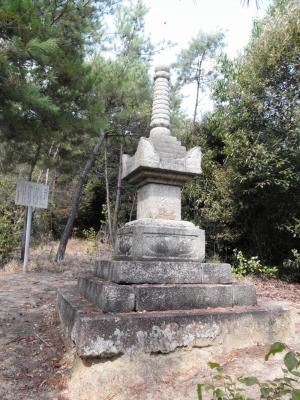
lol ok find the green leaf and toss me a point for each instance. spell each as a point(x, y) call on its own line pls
point(249, 380)
point(214, 365)
point(219, 393)
point(199, 391)
point(265, 391)
point(296, 394)
point(289, 380)
point(290, 361)
point(276, 347)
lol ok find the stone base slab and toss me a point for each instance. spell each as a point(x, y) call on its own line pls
point(106, 335)
point(159, 239)
point(162, 272)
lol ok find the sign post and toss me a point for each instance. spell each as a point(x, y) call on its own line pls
point(27, 238)
point(32, 195)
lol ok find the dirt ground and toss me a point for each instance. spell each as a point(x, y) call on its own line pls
point(34, 363)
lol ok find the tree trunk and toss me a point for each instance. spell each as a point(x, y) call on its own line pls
point(118, 195)
point(30, 173)
point(107, 193)
point(199, 72)
point(196, 103)
point(75, 201)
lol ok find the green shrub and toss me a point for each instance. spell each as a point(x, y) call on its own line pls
point(10, 220)
point(243, 266)
point(228, 387)
point(9, 235)
point(290, 269)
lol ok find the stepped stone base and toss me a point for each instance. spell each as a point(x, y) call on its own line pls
point(162, 240)
point(106, 335)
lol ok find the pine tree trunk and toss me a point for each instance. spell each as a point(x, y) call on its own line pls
point(107, 194)
point(199, 73)
point(75, 201)
point(196, 104)
point(30, 173)
point(118, 195)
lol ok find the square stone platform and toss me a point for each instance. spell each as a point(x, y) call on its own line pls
point(124, 308)
point(105, 335)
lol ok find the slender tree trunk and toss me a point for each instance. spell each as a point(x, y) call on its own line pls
point(196, 103)
point(118, 195)
point(30, 173)
point(75, 201)
point(107, 193)
point(199, 72)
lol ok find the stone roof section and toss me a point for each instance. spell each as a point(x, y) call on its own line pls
point(162, 151)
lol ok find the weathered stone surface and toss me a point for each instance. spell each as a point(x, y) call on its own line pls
point(159, 201)
point(148, 159)
point(189, 296)
point(162, 272)
point(243, 294)
point(112, 297)
point(149, 239)
point(107, 335)
point(108, 296)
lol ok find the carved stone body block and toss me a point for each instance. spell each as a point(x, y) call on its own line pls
point(159, 201)
point(157, 239)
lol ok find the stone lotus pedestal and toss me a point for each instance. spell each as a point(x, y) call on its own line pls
point(159, 239)
point(159, 295)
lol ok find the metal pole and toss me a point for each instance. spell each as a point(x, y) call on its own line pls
point(28, 229)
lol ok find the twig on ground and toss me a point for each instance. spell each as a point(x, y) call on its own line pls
point(16, 339)
point(41, 339)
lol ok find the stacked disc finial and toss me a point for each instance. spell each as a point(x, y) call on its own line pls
point(161, 99)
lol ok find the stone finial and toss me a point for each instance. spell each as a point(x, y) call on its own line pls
point(161, 98)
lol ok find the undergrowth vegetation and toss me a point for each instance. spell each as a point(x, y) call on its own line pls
point(227, 387)
point(242, 266)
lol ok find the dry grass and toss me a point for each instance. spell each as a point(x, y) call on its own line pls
point(80, 253)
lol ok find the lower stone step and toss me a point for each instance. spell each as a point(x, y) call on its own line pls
point(112, 297)
point(106, 335)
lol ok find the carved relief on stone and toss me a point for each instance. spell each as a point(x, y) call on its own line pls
point(124, 245)
point(174, 246)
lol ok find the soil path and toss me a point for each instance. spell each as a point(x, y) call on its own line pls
point(33, 362)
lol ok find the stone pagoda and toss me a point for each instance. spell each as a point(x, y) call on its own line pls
point(159, 168)
point(158, 294)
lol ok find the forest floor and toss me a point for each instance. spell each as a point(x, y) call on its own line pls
point(34, 362)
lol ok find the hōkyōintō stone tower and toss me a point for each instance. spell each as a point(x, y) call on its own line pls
point(158, 294)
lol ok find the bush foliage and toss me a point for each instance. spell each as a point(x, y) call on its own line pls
point(228, 387)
